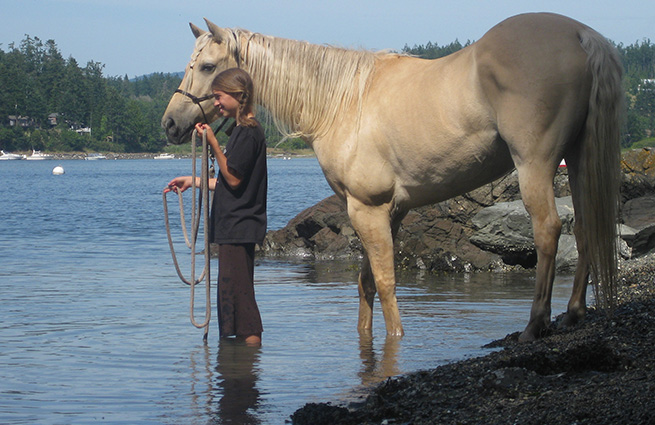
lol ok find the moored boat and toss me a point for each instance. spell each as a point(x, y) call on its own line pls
point(95, 156)
point(10, 156)
point(38, 156)
point(165, 156)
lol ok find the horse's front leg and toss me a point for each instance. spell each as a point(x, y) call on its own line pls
point(373, 225)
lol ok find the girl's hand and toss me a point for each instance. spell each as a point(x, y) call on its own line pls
point(202, 127)
point(178, 184)
point(211, 137)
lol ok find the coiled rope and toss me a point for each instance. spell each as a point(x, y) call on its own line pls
point(202, 204)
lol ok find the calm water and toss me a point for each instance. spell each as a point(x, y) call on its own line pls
point(95, 324)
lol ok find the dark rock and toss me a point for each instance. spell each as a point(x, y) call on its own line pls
point(644, 241)
point(638, 168)
point(506, 229)
point(322, 414)
point(321, 232)
point(567, 254)
point(639, 213)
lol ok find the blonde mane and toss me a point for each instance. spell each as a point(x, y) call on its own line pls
point(304, 86)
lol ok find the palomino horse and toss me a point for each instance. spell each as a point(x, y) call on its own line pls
point(393, 132)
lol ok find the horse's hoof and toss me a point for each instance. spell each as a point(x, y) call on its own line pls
point(396, 333)
point(570, 319)
point(535, 330)
point(527, 336)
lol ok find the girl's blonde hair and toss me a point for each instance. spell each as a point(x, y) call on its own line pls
point(237, 83)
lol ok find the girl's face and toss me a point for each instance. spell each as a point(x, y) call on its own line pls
point(226, 104)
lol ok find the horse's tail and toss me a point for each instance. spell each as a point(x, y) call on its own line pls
point(599, 176)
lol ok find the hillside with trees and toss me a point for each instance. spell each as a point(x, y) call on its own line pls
point(54, 104)
point(51, 103)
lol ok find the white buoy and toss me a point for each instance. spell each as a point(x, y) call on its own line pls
point(58, 170)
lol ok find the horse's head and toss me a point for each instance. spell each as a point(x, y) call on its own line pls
point(214, 52)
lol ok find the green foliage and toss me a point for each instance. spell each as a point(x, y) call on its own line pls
point(37, 81)
point(644, 143)
point(289, 145)
point(639, 83)
point(434, 51)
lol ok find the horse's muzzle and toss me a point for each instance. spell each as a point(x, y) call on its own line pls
point(173, 132)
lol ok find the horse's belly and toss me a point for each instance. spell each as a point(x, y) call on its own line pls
point(456, 174)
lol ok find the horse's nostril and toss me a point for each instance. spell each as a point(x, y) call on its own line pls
point(172, 131)
point(168, 123)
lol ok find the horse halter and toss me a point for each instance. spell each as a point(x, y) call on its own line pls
point(198, 100)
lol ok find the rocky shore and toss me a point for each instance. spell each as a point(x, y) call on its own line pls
point(600, 372)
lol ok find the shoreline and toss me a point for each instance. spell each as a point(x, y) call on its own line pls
point(270, 153)
point(601, 371)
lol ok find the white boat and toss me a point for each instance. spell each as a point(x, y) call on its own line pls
point(38, 156)
point(10, 156)
point(165, 156)
point(95, 156)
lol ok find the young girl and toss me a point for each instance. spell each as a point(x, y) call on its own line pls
point(238, 218)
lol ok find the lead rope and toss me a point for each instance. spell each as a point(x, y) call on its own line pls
point(203, 204)
point(204, 201)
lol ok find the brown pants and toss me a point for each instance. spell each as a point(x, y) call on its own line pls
point(238, 313)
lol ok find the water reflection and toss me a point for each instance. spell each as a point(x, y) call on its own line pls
point(376, 367)
point(227, 394)
point(238, 370)
point(202, 394)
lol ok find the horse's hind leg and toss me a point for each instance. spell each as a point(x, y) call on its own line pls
point(373, 225)
point(536, 183)
point(577, 306)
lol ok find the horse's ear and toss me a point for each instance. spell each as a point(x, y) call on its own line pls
point(196, 31)
point(219, 33)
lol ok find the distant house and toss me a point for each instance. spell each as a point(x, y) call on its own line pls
point(647, 84)
point(19, 120)
point(53, 119)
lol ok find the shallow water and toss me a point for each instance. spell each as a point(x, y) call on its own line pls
point(95, 323)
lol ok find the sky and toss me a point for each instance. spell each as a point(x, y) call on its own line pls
point(139, 37)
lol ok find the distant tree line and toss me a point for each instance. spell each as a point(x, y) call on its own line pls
point(639, 85)
point(51, 103)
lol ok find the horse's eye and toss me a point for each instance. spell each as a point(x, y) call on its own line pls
point(208, 67)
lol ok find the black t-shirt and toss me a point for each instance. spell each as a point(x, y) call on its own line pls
point(239, 216)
